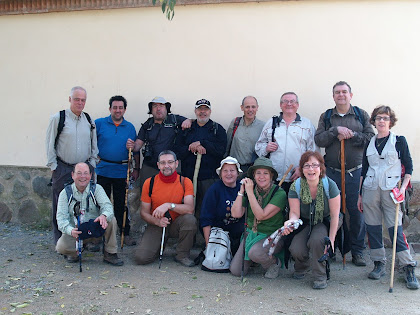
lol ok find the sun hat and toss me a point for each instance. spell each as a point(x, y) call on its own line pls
point(159, 100)
point(262, 162)
point(229, 160)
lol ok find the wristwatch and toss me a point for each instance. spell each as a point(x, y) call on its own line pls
point(172, 206)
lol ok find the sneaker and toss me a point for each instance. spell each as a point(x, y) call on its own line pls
point(185, 261)
point(273, 271)
point(410, 277)
point(378, 271)
point(129, 241)
point(92, 247)
point(298, 275)
point(112, 259)
point(358, 260)
point(320, 284)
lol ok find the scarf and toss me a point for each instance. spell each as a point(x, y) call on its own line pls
point(168, 179)
point(306, 198)
point(260, 194)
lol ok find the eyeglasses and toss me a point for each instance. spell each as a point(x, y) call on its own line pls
point(166, 162)
point(84, 173)
point(384, 118)
point(291, 102)
point(307, 166)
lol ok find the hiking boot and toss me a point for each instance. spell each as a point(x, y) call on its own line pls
point(112, 259)
point(378, 271)
point(71, 259)
point(273, 271)
point(410, 277)
point(129, 241)
point(320, 284)
point(298, 275)
point(358, 260)
point(92, 247)
point(185, 261)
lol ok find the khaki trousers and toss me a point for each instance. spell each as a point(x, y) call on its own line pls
point(66, 244)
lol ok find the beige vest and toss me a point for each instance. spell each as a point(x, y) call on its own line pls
point(385, 169)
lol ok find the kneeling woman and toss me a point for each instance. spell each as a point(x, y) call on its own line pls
point(314, 199)
point(264, 203)
point(218, 201)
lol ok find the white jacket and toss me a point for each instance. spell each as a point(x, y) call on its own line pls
point(293, 141)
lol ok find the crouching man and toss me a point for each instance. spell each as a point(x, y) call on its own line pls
point(91, 203)
point(167, 191)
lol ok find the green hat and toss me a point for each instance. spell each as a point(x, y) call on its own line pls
point(262, 162)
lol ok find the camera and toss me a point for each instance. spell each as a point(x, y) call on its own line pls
point(147, 152)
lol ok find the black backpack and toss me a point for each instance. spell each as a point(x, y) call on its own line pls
point(62, 121)
point(357, 111)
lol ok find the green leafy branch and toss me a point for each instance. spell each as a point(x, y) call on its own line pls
point(167, 8)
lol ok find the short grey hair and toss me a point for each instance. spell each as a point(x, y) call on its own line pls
point(77, 88)
point(164, 152)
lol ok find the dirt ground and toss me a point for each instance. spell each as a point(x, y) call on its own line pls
point(36, 280)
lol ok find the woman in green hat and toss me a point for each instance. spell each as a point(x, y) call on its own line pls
point(264, 202)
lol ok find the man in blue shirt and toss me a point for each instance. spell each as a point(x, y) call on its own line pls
point(113, 132)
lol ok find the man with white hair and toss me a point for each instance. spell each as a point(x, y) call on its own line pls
point(71, 138)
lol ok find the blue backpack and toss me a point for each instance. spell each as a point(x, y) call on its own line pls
point(325, 183)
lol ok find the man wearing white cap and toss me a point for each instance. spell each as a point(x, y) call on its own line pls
point(156, 135)
point(207, 138)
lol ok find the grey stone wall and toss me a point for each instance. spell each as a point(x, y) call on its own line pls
point(25, 197)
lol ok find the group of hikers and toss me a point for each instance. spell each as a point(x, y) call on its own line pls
point(266, 184)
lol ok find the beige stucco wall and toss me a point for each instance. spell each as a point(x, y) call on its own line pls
point(220, 52)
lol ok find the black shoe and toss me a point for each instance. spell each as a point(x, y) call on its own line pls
point(358, 260)
point(378, 271)
point(410, 277)
point(112, 259)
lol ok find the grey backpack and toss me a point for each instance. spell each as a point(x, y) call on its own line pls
point(218, 253)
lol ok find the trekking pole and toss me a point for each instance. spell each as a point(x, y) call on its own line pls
point(76, 210)
point(195, 177)
point(163, 239)
point(394, 244)
point(343, 197)
point(243, 247)
point(126, 199)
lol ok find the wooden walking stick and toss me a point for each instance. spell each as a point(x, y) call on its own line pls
point(394, 243)
point(285, 174)
point(195, 177)
point(126, 199)
point(343, 196)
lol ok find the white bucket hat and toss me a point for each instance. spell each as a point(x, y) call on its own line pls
point(229, 160)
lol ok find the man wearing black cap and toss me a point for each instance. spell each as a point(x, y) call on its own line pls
point(92, 203)
point(156, 135)
point(208, 138)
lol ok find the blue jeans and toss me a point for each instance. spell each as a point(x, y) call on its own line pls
point(357, 221)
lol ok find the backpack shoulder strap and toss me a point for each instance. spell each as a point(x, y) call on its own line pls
point(69, 193)
point(275, 122)
point(152, 181)
point(215, 126)
point(327, 119)
point(297, 187)
point(326, 185)
point(359, 115)
point(60, 127)
point(274, 191)
point(236, 125)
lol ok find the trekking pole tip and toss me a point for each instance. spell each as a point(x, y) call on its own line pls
point(390, 290)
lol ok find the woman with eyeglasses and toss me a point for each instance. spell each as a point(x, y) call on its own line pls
point(315, 199)
point(383, 160)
